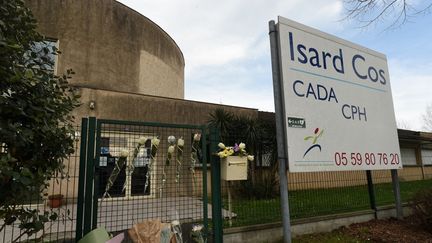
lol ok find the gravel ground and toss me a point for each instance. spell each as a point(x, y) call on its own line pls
point(391, 230)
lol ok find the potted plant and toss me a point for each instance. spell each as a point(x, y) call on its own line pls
point(55, 200)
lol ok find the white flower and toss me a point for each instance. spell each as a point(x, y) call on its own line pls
point(155, 141)
point(180, 142)
point(242, 146)
point(250, 157)
point(171, 149)
point(171, 139)
point(175, 223)
point(197, 227)
point(221, 146)
point(197, 137)
point(142, 140)
point(124, 153)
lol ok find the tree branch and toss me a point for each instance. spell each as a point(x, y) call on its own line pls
point(367, 12)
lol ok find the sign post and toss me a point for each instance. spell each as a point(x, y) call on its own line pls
point(280, 133)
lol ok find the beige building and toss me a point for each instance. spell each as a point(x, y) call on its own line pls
point(128, 68)
point(112, 47)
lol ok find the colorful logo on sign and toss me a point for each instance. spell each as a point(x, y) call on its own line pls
point(317, 134)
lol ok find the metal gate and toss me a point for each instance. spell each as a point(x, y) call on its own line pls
point(135, 171)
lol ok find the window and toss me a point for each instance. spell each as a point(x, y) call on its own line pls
point(43, 50)
point(426, 156)
point(110, 149)
point(265, 160)
point(112, 145)
point(143, 156)
point(408, 156)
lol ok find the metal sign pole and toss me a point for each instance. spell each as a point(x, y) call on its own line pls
point(371, 193)
point(396, 191)
point(280, 133)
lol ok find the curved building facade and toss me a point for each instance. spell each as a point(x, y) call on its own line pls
point(111, 47)
point(126, 68)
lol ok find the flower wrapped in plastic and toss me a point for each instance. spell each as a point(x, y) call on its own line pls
point(176, 229)
point(116, 170)
point(154, 148)
point(194, 155)
point(170, 152)
point(179, 158)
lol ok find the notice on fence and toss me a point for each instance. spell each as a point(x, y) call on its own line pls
point(338, 103)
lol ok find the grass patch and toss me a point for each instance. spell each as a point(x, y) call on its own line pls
point(330, 237)
point(318, 202)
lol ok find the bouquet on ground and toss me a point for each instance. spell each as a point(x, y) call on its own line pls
point(236, 150)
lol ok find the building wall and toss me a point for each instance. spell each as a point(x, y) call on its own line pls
point(110, 46)
point(137, 107)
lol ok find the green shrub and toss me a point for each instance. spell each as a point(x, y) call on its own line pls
point(35, 122)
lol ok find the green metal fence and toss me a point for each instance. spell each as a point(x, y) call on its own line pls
point(138, 171)
point(256, 200)
point(66, 185)
point(311, 195)
point(179, 191)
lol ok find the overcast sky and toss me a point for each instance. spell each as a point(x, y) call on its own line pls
point(226, 49)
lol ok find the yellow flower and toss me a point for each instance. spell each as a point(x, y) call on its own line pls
point(226, 153)
point(230, 152)
point(221, 154)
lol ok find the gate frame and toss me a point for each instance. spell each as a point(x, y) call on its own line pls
point(87, 206)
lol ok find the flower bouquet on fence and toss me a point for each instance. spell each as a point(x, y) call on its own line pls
point(237, 150)
point(121, 162)
point(234, 162)
point(194, 156)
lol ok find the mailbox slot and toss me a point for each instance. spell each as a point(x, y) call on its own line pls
point(234, 168)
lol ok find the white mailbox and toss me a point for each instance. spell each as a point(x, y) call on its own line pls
point(234, 168)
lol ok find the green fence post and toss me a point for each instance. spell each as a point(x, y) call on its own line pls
point(81, 180)
point(96, 174)
point(204, 178)
point(216, 187)
point(88, 200)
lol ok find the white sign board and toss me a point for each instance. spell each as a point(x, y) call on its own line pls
point(337, 101)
